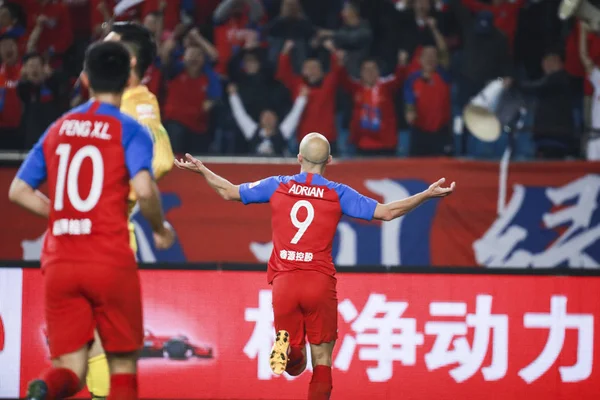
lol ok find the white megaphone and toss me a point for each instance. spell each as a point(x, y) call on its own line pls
point(582, 9)
point(480, 114)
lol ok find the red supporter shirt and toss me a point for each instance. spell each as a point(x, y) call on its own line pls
point(171, 13)
point(373, 124)
point(319, 114)
point(506, 15)
point(88, 157)
point(11, 109)
point(306, 209)
point(431, 99)
point(227, 38)
point(57, 35)
point(185, 99)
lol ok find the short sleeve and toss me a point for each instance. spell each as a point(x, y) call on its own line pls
point(137, 143)
point(259, 191)
point(354, 204)
point(33, 170)
point(595, 78)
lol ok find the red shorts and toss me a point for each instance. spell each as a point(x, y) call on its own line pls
point(305, 305)
point(83, 297)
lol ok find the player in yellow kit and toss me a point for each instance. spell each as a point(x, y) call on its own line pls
point(142, 105)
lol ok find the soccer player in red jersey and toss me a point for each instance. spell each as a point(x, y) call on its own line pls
point(306, 209)
point(89, 157)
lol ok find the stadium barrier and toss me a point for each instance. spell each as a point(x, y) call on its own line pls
point(545, 214)
point(415, 333)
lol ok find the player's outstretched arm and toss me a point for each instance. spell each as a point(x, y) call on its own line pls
point(149, 200)
point(222, 186)
point(396, 209)
point(27, 197)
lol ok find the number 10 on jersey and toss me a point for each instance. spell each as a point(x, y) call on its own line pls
point(68, 175)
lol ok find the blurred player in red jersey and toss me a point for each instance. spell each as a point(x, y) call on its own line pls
point(306, 209)
point(89, 156)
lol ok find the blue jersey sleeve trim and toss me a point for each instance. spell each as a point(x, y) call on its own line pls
point(138, 147)
point(33, 170)
point(259, 191)
point(354, 204)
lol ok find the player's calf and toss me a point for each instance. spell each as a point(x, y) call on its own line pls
point(296, 360)
point(64, 379)
point(321, 383)
point(123, 378)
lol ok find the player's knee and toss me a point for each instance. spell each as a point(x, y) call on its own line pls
point(322, 354)
point(321, 359)
point(76, 362)
point(122, 363)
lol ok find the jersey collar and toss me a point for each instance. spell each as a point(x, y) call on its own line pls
point(130, 92)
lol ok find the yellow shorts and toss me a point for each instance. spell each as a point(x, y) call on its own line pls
point(132, 241)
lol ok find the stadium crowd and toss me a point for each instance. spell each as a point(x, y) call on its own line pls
point(376, 77)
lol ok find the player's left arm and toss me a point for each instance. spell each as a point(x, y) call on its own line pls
point(222, 186)
point(356, 205)
point(398, 208)
point(23, 189)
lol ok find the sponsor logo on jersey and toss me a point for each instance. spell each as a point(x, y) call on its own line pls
point(145, 111)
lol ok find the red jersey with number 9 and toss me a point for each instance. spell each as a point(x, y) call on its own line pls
point(306, 209)
point(88, 157)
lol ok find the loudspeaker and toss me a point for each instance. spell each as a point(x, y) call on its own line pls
point(582, 9)
point(493, 110)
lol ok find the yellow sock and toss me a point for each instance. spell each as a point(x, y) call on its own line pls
point(98, 376)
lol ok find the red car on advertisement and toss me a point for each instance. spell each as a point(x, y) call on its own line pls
point(176, 347)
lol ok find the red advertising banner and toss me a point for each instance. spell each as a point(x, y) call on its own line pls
point(551, 216)
point(414, 336)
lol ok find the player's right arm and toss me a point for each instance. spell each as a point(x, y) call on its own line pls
point(32, 173)
point(225, 189)
point(138, 158)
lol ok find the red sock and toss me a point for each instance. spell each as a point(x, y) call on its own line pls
point(61, 382)
point(296, 362)
point(320, 384)
point(123, 387)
